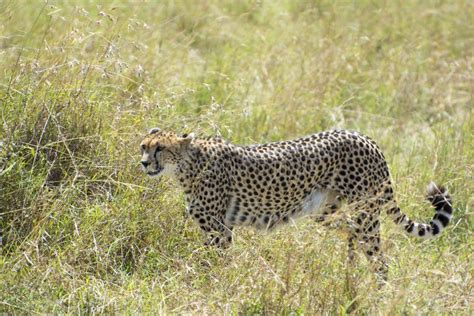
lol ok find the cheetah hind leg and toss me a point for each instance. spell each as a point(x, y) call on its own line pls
point(366, 232)
point(375, 256)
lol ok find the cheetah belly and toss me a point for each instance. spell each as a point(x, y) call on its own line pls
point(266, 219)
point(313, 203)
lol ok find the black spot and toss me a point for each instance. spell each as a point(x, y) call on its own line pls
point(439, 206)
point(421, 232)
point(410, 226)
point(442, 218)
point(437, 200)
point(202, 221)
point(435, 228)
point(400, 219)
point(447, 208)
point(375, 224)
point(393, 210)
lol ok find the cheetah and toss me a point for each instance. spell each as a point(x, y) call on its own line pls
point(228, 185)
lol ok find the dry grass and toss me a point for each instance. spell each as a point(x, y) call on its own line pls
point(86, 232)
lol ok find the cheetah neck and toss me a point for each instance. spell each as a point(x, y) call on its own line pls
point(197, 160)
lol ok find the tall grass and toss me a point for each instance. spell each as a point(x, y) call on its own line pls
point(84, 231)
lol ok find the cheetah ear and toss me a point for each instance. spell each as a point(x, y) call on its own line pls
point(154, 130)
point(187, 138)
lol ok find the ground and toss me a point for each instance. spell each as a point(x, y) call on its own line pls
point(85, 231)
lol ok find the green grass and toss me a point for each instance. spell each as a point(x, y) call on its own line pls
point(85, 231)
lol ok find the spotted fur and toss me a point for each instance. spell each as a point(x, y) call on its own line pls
point(264, 185)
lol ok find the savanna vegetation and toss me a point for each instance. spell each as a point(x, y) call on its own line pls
point(85, 231)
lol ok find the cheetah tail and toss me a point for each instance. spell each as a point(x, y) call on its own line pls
point(441, 201)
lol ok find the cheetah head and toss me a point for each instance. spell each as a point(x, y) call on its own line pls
point(162, 151)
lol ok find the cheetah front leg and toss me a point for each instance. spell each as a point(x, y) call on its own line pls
point(212, 224)
point(220, 234)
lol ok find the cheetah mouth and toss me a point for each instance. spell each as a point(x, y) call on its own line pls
point(154, 173)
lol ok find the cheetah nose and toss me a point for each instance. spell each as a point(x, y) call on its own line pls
point(145, 163)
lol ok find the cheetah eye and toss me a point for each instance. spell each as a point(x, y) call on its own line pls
point(184, 135)
point(143, 147)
